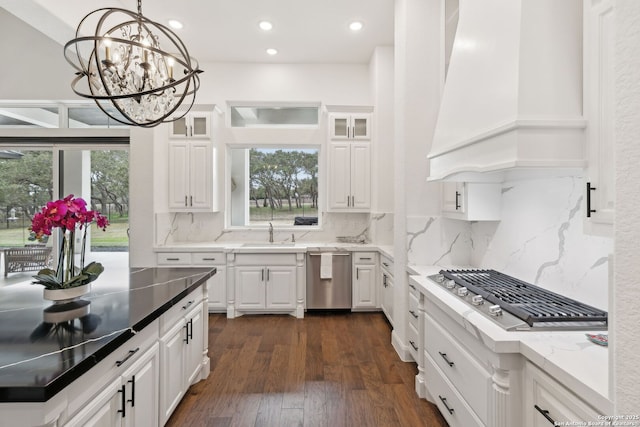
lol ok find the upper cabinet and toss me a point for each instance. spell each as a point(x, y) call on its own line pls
point(195, 124)
point(599, 102)
point(349, 146)
point(350, 126)
point(192, 165)
point(513, 93)
point(471, 201)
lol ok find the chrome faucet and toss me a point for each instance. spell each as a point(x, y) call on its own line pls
point(270, 233)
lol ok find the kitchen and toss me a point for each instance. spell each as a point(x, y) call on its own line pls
point(539, 237)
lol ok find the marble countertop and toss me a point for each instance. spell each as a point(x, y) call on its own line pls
point(39, 357)
point(276, 247)
point(567, 356)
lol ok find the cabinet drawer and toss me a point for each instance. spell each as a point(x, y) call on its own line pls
point(447, 399)
point(364, 257)
point(547, 394)
point(174, 258)
point(387, 264)
point(182, 307)
point(412, 338)
point(208, 258)
point(414, 316)
point(465, 373)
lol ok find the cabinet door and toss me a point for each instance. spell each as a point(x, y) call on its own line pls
point(141, 382)
point(360, 126)
point(250, 287)
point(599, 51)
point(364, 295)
point(339, 175)
point(200, 175)
point(339, 126)
point(178, 175)
point(218, 290)
point(194, 345)
point(387, 297)
point(360, 176)
point(281, 287)
point(453, 197)
point(172, 370)
point(199, 125)
point(179, 128)
point(102, 411)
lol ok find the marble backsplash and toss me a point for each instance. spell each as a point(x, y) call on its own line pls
point(180, 228)
point(433, 240)
point(540, 240)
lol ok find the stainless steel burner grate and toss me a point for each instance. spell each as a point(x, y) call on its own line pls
point(537, 306)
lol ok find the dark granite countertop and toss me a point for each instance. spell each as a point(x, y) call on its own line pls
point(38, 357)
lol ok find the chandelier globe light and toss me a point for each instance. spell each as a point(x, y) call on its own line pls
point(122, 64)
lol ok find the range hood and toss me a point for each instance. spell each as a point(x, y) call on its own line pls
point(512, 97)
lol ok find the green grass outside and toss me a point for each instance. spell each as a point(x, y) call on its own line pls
point(115, 236)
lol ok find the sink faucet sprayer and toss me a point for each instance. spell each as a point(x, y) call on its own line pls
point(270, 233)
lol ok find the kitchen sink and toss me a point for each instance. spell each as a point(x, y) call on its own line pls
point(268, 245)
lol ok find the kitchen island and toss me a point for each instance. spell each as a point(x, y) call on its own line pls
point(53, 362)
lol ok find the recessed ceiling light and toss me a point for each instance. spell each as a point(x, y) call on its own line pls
point(265, 25)
point(177, 25)
point(355, 26)
point(272, 51)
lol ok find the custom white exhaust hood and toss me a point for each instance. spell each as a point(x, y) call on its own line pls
point(513, 93)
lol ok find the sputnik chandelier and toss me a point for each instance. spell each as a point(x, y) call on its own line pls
point(123, 64)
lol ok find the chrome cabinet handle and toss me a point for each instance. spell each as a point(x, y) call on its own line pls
point(444, 402)
point(413, 313)
point(545, 413)
point(444, 356)
point(184, 307)
point(127, 357)
point(413, 345)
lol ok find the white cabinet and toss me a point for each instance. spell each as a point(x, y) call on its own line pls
point(599, 99)
point(547, 402)
point(266, 287)
point(364, 281)
point(130, 400)
point(217, 284)
point(350, 126)
point(191, 176)
point(350, 176)
point(181, 353)
point(471, 201)
point(386, 287)
point(195, 124)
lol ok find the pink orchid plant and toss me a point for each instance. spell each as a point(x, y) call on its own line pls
point(67, 214)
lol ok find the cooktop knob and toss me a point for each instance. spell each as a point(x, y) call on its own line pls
point(477, 300)
point(450, 284)
point(495, 310)
point(462, 291)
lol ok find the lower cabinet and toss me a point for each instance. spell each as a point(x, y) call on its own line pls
point(386, 287)
point(129, 400)
point(181, 355)
point(266, 287)
point(364, 281)
point(547, 402)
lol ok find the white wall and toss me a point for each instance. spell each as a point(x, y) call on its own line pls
point(33, 66)
point(626, 291)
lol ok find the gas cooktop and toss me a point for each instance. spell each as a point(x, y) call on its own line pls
point(517, 305)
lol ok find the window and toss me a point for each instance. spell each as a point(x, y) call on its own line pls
point(276, 115)
point(273, 185)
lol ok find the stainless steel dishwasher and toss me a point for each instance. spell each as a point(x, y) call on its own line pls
point(334, 293)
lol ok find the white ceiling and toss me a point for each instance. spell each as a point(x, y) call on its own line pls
point(305, 31)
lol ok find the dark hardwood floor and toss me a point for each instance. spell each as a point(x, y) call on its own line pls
point(330, 370)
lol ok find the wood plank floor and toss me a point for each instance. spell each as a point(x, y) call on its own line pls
point(329, 370)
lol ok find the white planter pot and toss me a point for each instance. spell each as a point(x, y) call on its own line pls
point(66, 295)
